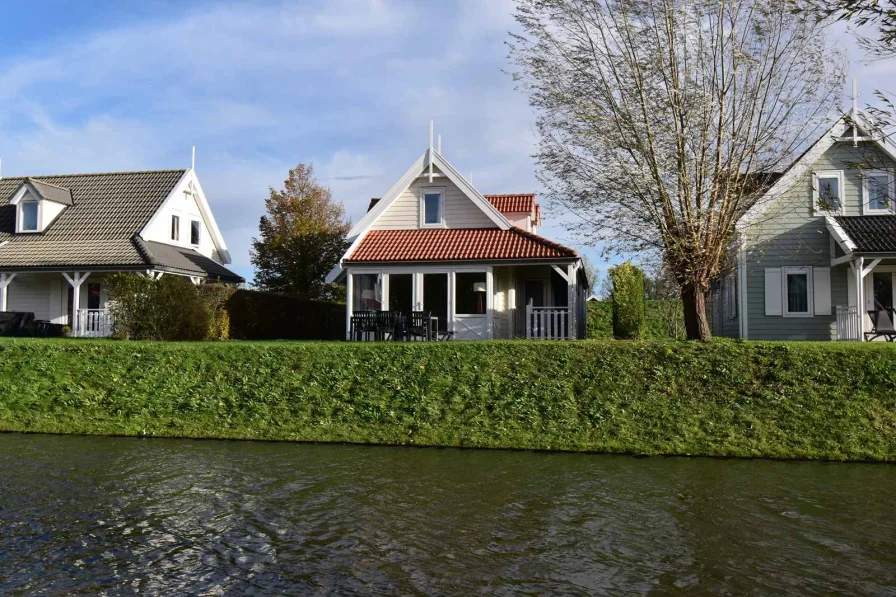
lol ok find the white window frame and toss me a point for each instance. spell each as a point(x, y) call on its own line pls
point(810, 285)
point(175, 228)
point(20, 216)
point(198, 232)
point(866, 195)
point(422, 206)
point(816, 176)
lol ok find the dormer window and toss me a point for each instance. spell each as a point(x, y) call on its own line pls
point(38, 204)
point(28, 212)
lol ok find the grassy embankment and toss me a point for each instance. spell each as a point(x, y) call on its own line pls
point(835, 401)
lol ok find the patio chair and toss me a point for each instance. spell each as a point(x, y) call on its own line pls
point(364, 325)
point(385, 325)
point(881, 326)
point(419, 325)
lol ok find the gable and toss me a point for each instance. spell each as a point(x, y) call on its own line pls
point(459, 211)
point(188, 203)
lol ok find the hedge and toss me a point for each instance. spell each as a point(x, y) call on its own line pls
point(628, 301)
point(832, 401)
point(664, 320)
point(256, 315)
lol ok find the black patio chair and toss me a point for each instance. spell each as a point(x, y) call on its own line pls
point(419, 325)
point(881, 326)
point(385, 325)
point(364, 325)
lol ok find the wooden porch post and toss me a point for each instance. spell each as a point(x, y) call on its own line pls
point(489, 302)
point(5, 279)
point(349, 288)
point(76, 281)
point(571, 300)
point(860, 296)
point(452, 300)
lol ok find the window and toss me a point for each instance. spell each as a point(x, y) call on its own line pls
point(797, 291)
point(731, 296)
point(175, 227)
point(470, 293)
point(93, 295)
point(876, 192)
point(194, 232)
point(431, 206)
point(367, 292)
point(828, 192)
point(29, 216)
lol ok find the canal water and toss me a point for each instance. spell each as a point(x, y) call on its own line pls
point(120, 516)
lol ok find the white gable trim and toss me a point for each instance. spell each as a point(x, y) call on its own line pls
point(433, 157)
point(794, 173)
point(804, 164)
point(190, 182)
point(839, 235)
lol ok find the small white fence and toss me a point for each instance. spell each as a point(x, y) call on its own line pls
point(547, 323)
point(848, 323)
point(92, 323)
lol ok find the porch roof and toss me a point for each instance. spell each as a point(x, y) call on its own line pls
point(455, 244)
point(870, 234)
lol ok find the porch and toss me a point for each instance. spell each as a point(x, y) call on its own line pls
point(870, 312)
point(73, 298)
point(469, 302)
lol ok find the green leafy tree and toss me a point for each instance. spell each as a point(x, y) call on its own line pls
point(301, 238)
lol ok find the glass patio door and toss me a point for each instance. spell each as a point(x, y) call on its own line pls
point(435, 297)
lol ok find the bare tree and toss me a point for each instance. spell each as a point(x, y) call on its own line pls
point(657, 118)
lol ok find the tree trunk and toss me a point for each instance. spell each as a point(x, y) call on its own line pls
point(693, 302)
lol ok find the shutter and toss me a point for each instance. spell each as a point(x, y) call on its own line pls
point(821, 290)
point(773, 296)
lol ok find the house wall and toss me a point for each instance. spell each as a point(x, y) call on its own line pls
point(185, 206)
point(791, 235)
point(459, 211)
point(519, 219)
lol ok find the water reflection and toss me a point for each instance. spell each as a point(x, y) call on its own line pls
point(153, 516)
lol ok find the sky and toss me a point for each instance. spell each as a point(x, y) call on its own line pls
point(347, 85)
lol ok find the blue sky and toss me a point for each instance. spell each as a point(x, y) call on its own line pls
point(348, 85)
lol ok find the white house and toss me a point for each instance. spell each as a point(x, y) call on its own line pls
point(60, 236)
point(434, 243)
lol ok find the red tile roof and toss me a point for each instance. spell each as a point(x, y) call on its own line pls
point(456, 244)
point(513, 203)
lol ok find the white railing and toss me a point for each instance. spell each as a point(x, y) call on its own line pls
point(547, 323)
point(848, 323)
point(92, 323)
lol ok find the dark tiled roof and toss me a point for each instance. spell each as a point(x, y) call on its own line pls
point(185, 261)
point(107, 212)
point(512, 203)
point(456, 244)
point(870, 234)
point(51, 192)
point(373, 203)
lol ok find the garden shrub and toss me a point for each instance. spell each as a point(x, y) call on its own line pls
point(628, 301)
point(169, 308)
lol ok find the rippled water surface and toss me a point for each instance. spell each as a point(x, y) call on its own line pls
point(117, 515)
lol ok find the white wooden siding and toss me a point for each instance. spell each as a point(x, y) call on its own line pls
point(460, 212)
point(31, 293)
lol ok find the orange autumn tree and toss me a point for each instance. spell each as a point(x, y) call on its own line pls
point(301, 238)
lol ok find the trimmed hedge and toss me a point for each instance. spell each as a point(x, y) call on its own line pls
point(834, 401)
point(628, 301)
point(663, 320)
point(257, 315)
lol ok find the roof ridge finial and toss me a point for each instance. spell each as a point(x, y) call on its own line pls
point(430, 150)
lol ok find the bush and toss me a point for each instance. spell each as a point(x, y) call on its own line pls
point(724, 398)
point(663, 320)
point(169, 308)
point(628, 301)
